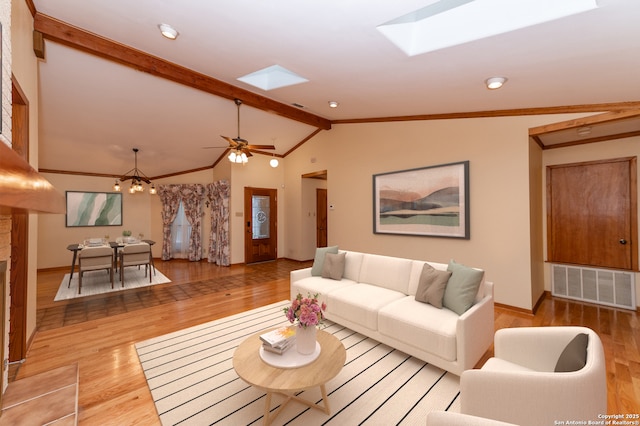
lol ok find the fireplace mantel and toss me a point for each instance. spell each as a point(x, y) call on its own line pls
point(23, 189)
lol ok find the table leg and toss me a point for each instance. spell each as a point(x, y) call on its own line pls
point(267, 409)
point(73, 266)
point(115, 257)
point(323, 390)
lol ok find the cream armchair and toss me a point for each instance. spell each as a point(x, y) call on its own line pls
point(520, 384)
point(447, 418)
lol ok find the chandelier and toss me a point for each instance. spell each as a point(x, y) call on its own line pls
point(137, 177)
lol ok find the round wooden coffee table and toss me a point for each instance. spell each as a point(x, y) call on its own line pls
point(286, 381)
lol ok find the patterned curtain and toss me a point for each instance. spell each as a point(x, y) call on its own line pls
point(170, 197)
point(218, 196)
point(191, 197)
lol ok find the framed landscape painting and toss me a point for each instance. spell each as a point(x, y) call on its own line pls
point(94, 208)
point(430, 201)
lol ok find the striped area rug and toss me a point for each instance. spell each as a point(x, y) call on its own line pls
point(192, 380)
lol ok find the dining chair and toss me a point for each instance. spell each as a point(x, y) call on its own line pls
point(136, 254)
point(95, 259)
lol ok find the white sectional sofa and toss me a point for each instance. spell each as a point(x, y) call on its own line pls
point(375, 296)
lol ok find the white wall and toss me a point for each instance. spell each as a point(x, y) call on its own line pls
point(506, 196)
point(256, 173)
point(309, 217)
point(54, 236)
point(499, 153)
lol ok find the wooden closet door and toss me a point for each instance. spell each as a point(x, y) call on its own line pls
point(592, 214)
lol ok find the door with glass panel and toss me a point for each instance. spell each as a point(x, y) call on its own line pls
point(260, 212)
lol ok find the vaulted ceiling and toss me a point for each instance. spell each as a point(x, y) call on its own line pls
point(110, 82)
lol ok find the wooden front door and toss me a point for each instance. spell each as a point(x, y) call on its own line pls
point(261, 213)
point(592, 214)
point(321, 217)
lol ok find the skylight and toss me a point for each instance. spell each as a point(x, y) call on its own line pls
point(272, 77)
point(451, 22)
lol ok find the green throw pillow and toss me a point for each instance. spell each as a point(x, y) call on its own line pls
point(431, 285)
point(318, 261)
point(574, 355)
point(333, 265)
point(461, 290)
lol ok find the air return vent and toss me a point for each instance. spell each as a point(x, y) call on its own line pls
point(603, 286)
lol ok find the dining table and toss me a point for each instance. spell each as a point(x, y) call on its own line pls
point(115, 245)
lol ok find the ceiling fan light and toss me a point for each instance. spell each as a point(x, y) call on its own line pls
point(168, 31)
point(232, 156)
point(243, 158)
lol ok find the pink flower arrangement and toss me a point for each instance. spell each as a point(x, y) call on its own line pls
point(307, 311)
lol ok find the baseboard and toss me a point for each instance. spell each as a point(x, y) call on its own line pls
point(513, 308)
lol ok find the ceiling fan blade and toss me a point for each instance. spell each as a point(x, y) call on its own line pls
point(247, 152)
point(261, 147)
point(232, 143)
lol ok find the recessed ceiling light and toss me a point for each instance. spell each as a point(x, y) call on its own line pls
point(168, 31)
point(333, 104)
point(494, 83)
point(448, 23)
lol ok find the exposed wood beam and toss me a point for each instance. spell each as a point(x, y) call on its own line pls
point(568, 109)
point(299, 144)
point(68, 35)
point(592, 140)
point(585, 121)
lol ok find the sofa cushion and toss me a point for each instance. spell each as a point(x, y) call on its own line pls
point(432, 285)
point(384, 271)
point(360, 303)
point(461, 290)
point(319, 285)
point(421, 325)
point(574, 355)
point(499, 364)
point(333, 267)
point(352, 265)
point(318, 260)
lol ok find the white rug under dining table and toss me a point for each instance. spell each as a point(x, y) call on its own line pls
point(98, 282)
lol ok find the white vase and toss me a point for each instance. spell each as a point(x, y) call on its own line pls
point(306, 340)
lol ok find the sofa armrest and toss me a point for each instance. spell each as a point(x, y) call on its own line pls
point(475, 330)
point(299, 274)
point(537, 348)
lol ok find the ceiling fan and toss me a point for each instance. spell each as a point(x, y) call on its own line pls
point(242, 146)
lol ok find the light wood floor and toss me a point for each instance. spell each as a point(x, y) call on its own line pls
point(99, 333)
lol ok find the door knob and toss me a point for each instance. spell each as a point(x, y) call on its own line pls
point(623, 241)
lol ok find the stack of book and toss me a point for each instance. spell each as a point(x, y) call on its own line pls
point(279, 340)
